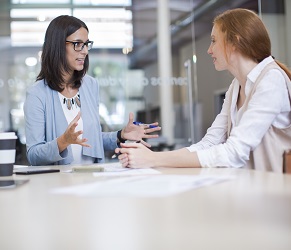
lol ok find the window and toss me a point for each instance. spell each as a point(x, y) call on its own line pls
point(109, 27)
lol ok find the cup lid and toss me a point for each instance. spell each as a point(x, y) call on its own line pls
point(7, 135)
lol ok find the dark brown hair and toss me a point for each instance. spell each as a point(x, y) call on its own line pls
point(247, 33)
point(53, 58)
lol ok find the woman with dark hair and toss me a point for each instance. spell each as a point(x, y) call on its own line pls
point(62, 108)
point(253, 128)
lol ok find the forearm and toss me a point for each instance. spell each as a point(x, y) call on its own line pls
point(177, 158)
point(44, 154)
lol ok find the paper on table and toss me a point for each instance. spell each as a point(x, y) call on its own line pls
point(115, 169)
point(142, 186)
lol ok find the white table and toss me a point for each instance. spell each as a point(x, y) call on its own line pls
point(253, 211)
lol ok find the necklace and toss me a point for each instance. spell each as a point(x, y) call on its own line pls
point(72, 101)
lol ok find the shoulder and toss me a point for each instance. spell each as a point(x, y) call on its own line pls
point(89, 80)
point(89, 83)
point(271, 85)
point(268, 75)
point(269, 69)
point(38, 92)
point(274, 78)
point(38, 87)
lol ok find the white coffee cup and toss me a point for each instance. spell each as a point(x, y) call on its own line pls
point(7, 153)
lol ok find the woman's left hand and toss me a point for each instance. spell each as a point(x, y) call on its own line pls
point(135, 155)
point(138, 132)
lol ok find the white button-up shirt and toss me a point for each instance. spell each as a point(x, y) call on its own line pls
point(269, 105)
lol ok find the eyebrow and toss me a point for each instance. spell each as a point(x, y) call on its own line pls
point(80, 40)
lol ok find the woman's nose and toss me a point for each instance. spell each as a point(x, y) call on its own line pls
point(85, 50)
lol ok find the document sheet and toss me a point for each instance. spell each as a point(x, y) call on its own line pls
point(115, 169)
point(142, 186)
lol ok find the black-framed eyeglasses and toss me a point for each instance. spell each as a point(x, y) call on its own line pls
point(78, 46)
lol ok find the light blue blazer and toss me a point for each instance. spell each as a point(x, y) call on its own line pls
point(45, 122)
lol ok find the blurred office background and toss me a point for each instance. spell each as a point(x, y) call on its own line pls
point(149, 57)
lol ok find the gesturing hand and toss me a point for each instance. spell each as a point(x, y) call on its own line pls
point(138, 132)
point(71, 136)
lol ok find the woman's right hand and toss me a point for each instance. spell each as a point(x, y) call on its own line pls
point(71, 136)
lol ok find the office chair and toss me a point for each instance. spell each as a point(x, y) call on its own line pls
point(287, 162)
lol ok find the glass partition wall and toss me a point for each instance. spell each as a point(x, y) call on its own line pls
point(149, 57)
point(22, 35)
point(110, 27)
point(276, 15)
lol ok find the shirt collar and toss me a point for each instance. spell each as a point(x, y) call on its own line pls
point(251, 79)
point(256, 71)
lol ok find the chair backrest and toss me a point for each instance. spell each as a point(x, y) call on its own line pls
point(287, 162)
